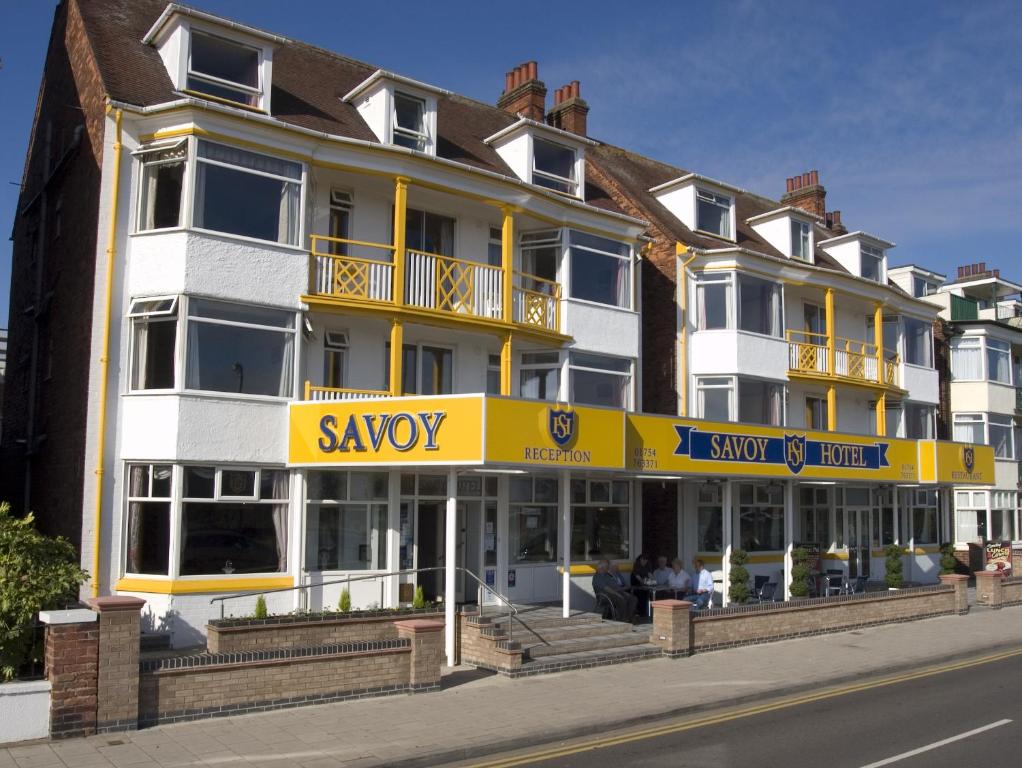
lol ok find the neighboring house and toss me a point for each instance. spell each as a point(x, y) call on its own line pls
point(310, 319)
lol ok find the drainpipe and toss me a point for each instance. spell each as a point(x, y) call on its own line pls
point(683, 336)
point(104, 360)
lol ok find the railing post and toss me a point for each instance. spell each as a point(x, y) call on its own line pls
point(828, 310)
point(400, 218)
point(397, 337)
point(308, 389)
point(878, 339)
point(882, 415)
point(507, 252)
point(505, 365)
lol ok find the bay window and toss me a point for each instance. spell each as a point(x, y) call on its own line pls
point(970, 516)
point(713, 213)
point(224, 69)
point(600, 519)
point(760, 402)
point(346, 521)
point(153, 340)
point(160, 185)
point(713, 301)
point(553, 166)
point(533, 520)
point(714, 395)
point(1002, 515)
point(998, 361)
point(759, 306)
point(248, 194)
point(967, 358)
point(600, 380)
point(968, 428)
point(1000, 436)
point(540, 253)
point(540, 375)
point(600, 270)
point(918, 342)
point(148, 530)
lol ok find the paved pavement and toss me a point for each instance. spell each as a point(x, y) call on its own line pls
point(477, 714)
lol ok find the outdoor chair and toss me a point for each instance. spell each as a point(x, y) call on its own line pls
point(605, 607)
point(833, 584)
point(757, 587)
point(767, 593)
point(858, 586)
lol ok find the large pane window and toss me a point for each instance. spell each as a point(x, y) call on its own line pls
point(1002, 515)
point(247, 194)
point(713, 213)
point(553, 166)
point(341, 206)
point(224, 69)
point(162, 179)
point(761, 517)
point(239, 348)
point(1001, 439)
point(234, 521)
point(924, 517)
point(998, 361)
point(814, 515)
point(540, 253)
point(871, 259)
point(709, 518)
point(532, 520)
point(599, 380)
point(759, 305)
point(153, 339)
point(600, 270)
point(600, 519)
point(335, 352)
point(918, 342)
point(425, 370)
point(713, 301)
point(760, 402)
point(714, 396)
point(970, 516)
point(149, 499)
point(410, 122)
point(919, 421)
point(540, 375)
point(429, 232)
point(346, 521)
point(967, 358)
point(816, 413)
point(968, 428)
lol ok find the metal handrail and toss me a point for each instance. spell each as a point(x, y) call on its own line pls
point(512, 609)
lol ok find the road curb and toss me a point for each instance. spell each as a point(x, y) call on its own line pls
point(478, 752)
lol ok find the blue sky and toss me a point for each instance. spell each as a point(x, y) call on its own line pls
point(910, 110)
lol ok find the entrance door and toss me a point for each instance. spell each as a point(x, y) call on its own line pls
point(430, 530)
point(859, 540)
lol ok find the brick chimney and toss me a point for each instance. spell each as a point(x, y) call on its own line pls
point(569, 110)
point(833, 222)
point(524, 93)
point(807, 193)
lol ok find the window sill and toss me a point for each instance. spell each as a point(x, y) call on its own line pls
point(251, 240)
point(716, 236)
point(919, 367)
point(207, 395)
point(162, 231)
point(601, 305)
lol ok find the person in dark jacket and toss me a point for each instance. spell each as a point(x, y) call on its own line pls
point(604, 583)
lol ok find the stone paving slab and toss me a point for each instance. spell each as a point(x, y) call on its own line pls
point(470, 717)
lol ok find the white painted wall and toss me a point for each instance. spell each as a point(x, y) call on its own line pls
point(24, 711)
point(601, 329)
point(736, 352)
point(681, 202)
point(973, 396)
point(922, 384)
point(777, 232)
point(372, 106)
point(516, 151)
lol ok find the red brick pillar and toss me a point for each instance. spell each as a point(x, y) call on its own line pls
point(960, 582)
point(989, 588)
point(72, 667)
point(119, 637)
point(672, 627)
point(427, 639)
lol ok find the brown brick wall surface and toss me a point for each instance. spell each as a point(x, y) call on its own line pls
point(257, 637)
point(72, 667)
point(485, 647)
point(119, 636)
point(1011, 591)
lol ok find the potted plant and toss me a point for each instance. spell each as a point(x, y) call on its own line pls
point(800, 572)
point(892, 566)
point(260, 608)
point(419, 601)
point(344, 604)
point(948, 561)
point(738, 578)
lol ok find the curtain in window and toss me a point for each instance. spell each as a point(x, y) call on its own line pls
point(286, 367)
point(966, 363)
point(998, 363)
point(701, 294)
point(136, 489)
point(141, 353)
point(623, 284)
point(774, 396)
point(280, 491)
point(287, 224)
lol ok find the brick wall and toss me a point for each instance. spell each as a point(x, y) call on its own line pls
point(287, 632)
point(117, 684)
point(486, 646)
point(72, 667)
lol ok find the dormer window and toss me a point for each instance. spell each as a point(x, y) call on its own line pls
point(801, 240)
point(410, 122)
point(553, 166)
point(870, 259)
point(223, 69)
point(713, 213)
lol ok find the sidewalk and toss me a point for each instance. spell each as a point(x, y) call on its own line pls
point(475, 714)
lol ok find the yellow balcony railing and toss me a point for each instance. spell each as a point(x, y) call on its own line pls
point(446, 284)
point(536, 301)
point(315, 393)
point(853, 359)
point(352, 269)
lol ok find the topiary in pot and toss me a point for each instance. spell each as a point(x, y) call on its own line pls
point(893, 566)
point(948, 561)
point(344, 604)
point(260, 608)
point(738, 577)
point(419, 601)
point(800, 573)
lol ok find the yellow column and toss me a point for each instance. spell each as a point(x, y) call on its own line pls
point(400, 216)
point(831, 409)
point(878, 339)
point(505, 366)
point(397, 338)
point(882, 415)
point(507, 255)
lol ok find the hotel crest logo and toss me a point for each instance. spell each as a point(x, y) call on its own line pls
point(562, 425)
point(968, 458)
point(795, 452)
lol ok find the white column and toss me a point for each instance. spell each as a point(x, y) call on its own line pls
point(565, 504)
point(296, 542)
point(636, 516)
point(393, 592)
point(727, 531)
point(450, 562)
point(789, 534)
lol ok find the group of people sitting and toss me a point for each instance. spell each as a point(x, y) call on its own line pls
point(627, 596)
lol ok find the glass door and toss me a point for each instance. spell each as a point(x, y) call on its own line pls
point(859, 540)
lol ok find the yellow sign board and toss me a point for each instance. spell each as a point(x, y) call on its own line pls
point(400, 430)
point(955, 463)
point(553, 435)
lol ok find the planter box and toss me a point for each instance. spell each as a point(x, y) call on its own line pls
point(24, 711)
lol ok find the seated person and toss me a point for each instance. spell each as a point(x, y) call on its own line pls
point(679, 580)
point(662, 574)
point(604, 583)
point(642, 570)
point(618, 576)
point(703, 595)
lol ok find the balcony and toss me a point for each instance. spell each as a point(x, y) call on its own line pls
point(853, 361)
point(364, 274)
point(324, 394)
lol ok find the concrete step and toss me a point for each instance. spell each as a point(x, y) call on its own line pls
point(528, 635)
point(583, 643)
point(584, 659)
point(544, 619)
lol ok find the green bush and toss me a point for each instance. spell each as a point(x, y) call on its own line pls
point(800, 573)
point(948, 561)
point(419, 601)
point(344, 604)
point(738, 577)
point(37, 573)
point(893, 566)
point(260, 609)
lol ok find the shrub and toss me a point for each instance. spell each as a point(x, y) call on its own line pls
point(344, 604)
point(893, 566)
point(800, 573)
point(260, 608)
point(948, 561)
point(738, 577)
point(419, 601)
point(37, 573)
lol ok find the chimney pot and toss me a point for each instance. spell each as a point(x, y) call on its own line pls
point(509, 80)
point(533, 70)
point(961, 271)
point(837, 217)
point(814, 177)
point(788, 184)
point(576, 89)
point(997, 273)
point(805, 179)
point(982, 266)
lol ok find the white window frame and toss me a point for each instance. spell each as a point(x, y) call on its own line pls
point(806, 236)
point(557, 366)
point(628, 376)
point(1000, 347)
point(629, 267)
point(493, 365)
point(335, 342)
point(824, 406)
point(872, 252)
point(905, 321)
point(715, 278)
point(722, 201)
point(571, 184)
point(258, 92)
point(421, 137)
point(778, 289)
point(731, 387)
point(158, 148)
point(974, 343)
point(137, 314)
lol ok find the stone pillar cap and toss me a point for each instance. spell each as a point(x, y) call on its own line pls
point(420, 625)
point(672, 604)
point(117, 603)
point(71, 616)
point(955, 576)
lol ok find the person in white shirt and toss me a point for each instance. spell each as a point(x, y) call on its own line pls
point(662, 574)
point(679, 580)
point(703, 597)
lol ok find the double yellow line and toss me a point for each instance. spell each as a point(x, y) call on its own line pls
point(737, 713)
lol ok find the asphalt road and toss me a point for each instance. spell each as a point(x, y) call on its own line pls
point(949, 718)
